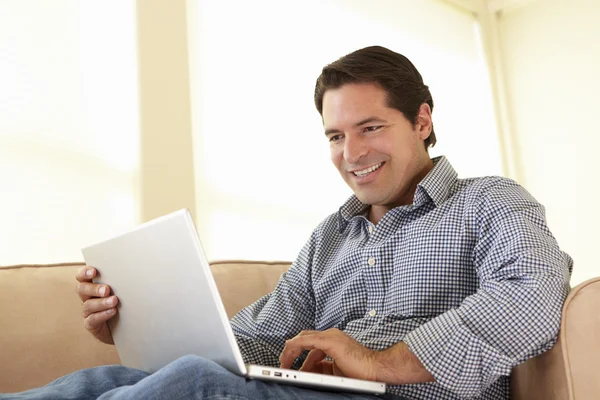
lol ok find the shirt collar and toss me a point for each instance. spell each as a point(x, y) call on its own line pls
point(434, 187)
point(437, 184)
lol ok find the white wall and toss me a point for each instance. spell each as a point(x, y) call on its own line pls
point(551, 52)
point(68, 126)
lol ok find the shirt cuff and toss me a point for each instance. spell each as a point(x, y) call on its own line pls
point(459, 361)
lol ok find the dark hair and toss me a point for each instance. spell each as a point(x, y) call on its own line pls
point(390, 70)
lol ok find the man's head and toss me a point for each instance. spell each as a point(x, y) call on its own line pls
point(391, 71)
point(377, 116)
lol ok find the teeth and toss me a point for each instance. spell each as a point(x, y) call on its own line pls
point(367, 170)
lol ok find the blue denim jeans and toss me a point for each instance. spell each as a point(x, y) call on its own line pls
point(190, 377)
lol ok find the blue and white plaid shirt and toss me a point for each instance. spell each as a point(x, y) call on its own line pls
point(469, 276)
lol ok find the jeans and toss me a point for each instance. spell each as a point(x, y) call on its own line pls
point(189, 377)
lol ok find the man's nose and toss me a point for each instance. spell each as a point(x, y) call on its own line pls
point(354, 150)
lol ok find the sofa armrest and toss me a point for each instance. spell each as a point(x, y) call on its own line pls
point(570, 369)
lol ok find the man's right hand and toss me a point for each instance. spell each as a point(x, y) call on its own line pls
point(98, 305)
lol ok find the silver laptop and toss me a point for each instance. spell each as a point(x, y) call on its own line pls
point(170, 307)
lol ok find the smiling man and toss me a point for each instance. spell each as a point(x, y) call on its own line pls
point(430, 283)
point(435, 285)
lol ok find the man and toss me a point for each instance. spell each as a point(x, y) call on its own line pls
point(437, 286)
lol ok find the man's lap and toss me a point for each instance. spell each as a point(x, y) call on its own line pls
point(188, 377)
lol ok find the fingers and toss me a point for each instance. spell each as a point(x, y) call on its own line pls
point(288, 355)
point(85, 274)
point(331, 342)
point(326, 367)
point(95, 305)
point(295, 346)
point(98, 304)
point(95, 322)
point(86, 290)
point(313, 360)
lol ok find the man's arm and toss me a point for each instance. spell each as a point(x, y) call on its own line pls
point(515, 314)
point(261, 328)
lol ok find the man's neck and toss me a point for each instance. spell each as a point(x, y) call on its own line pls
point(377, 212)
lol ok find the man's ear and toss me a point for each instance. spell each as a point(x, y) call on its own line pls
point(424, 124)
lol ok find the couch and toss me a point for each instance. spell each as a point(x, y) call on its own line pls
point(42, 335)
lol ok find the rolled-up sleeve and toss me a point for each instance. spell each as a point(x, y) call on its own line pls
point(515, 314)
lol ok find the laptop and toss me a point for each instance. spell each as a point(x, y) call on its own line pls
point(170, 306)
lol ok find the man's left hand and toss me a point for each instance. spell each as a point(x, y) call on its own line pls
point(396, 365)
point(350, 358)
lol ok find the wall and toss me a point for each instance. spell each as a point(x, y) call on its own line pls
point(166, 161)
point(68, 127)
point(551, 52)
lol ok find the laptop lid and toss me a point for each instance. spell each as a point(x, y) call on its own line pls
point(154, 270)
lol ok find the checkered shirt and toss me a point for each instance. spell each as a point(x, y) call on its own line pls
point(468, 276)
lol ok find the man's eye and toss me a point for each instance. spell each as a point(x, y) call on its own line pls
point(372, 128)
point(335, 138)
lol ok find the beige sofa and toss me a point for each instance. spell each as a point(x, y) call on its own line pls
point(42, 335)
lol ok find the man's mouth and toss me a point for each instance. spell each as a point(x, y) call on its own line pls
point(367, 171)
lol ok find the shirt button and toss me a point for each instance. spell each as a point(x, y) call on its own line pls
point(371, 261)
point(372, 313)
point(371, 229)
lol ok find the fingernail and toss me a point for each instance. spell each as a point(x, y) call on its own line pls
point(89, 273)
point(110, 301)
point(110, 311)
point(102, 290)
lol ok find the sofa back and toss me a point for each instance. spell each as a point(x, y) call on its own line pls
point(241, 283)
point(42, 335)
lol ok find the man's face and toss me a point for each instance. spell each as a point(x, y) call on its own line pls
point(376, 149)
